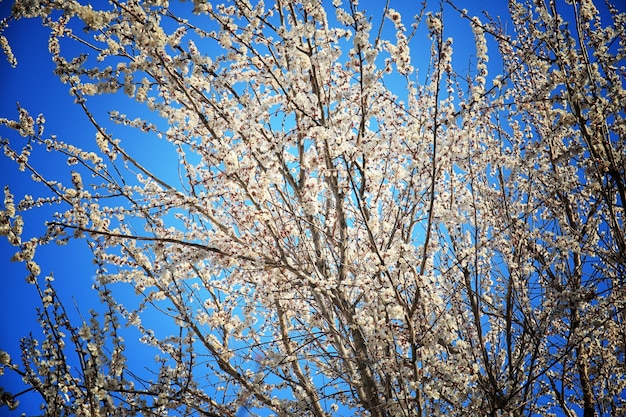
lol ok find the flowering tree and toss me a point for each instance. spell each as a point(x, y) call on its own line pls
point(346, 236)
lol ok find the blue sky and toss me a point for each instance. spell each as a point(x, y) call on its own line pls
point(35, 87)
